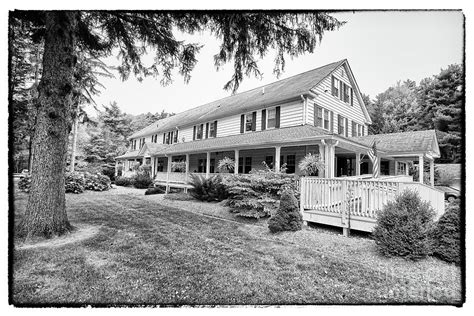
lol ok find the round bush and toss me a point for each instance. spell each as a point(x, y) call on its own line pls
point(142, 181)
point(447, 235)
point(288, 216)
point(404, 226)
point(74, 182)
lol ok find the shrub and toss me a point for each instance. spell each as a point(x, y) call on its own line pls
point(447, 235)
point(155, 190)
point(109, 171)
point(258, 193)
point(124, 181)
point(444, 178)
point(25, 183)
point(142, 180)
point(226, 164)
point(311, 165)
point(288, 216)
point(74, 182)
point(96, 182)
point(210, 189)
point(404, 226)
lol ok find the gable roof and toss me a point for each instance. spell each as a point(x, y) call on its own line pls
point(282, 90)
point(404, 142)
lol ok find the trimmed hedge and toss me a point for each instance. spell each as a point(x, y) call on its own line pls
point(124, 181)
point(96, 182)
point(155, 190)
point(404, 226)
point(75, 182)
point(288, 216)
point(447, 235)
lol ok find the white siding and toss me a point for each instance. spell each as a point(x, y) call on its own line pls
point(310, 113)
point(326, 100)
point(291, 114)
point(228, 126)
point(187, 133)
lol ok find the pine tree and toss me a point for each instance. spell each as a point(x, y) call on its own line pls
point(244, 37)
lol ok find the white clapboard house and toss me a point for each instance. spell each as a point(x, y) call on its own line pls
point(320, 111)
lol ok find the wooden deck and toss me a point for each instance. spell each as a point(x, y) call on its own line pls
point(354, 203)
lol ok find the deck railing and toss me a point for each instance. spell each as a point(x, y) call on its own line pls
point(358, 199)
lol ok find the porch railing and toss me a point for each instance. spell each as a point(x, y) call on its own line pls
point(346, 198)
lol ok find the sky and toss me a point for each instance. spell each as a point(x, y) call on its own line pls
point(381, 47)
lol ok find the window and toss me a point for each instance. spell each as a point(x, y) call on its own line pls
point(248, 122)
point(167, 141)
point(271, 121)
point(269, 161)
point(241, 164)
point(130, 164)
point(357, 129)
point(211, 168)
point(346, 94)
point(318, 114)
point(326, 119)
point(175, 138)
point(401, 167)
point(290, 163)
point(384, 167)
point(335, 86)
point(248, 164)
point(199, 129)
point(160, 165)
point(212, 129)
point(202, 165)
point(340, 125)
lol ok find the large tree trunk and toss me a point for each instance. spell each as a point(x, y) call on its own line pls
point(46, 210)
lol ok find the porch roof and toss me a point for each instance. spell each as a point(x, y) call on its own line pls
point(267, 137)
point(404, 142)
point(130, 154)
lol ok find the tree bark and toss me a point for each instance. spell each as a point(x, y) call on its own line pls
point(46, 210)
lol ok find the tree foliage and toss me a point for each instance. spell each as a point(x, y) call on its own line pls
point(436, 103)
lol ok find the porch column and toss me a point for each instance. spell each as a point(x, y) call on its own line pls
point(432, 172)
point(322, 155)
point(116, 167)
point(236, 158)
point(277, 158)
point(168, 171)
point(396, 168)
point(208, 164)
point(152, 167)
point(406, 169)
point(187, 168)
point(357, 162)
point(420, 168)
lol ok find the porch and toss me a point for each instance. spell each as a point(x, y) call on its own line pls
point(353, 203)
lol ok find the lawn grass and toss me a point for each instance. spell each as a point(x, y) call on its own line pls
point(148, 253)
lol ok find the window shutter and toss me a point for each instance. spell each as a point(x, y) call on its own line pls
point(215, 128)
point(164, 138)
point(277, 117)
point(194, 132)
point(242, 123)
point(315, 115)
point(207, 130)
point(354, 129)
point(254, 121)
point(347, 127)
point(264, 119)
point(352, 96)
point(341, 90)
point(332, 122)
point(176, 136)
point(171, 137)
point(363, 130)
point(332, 85)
